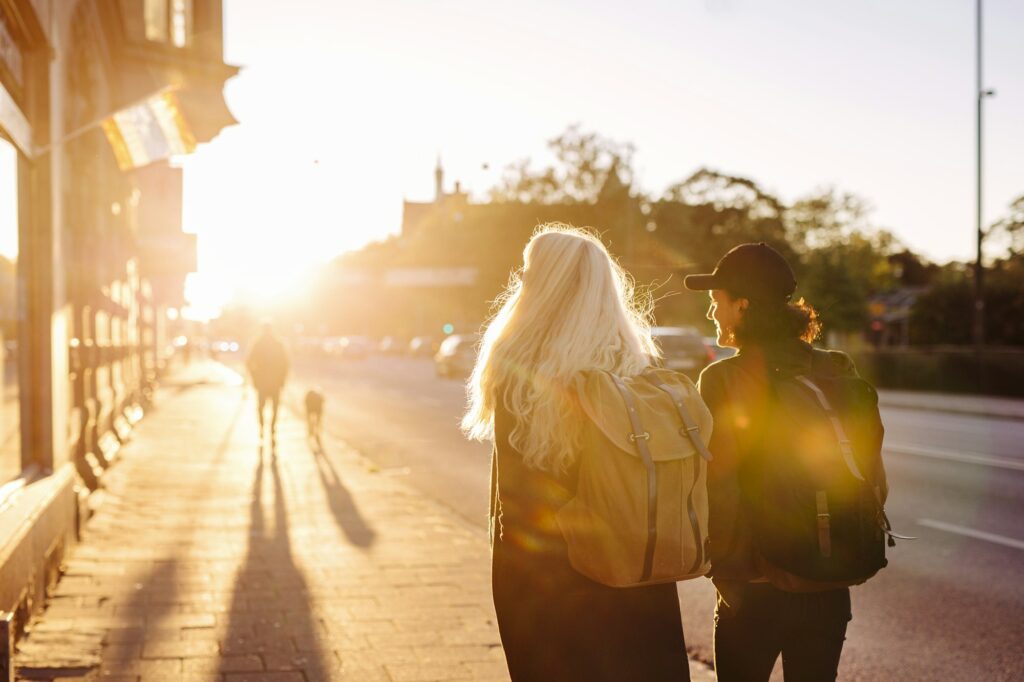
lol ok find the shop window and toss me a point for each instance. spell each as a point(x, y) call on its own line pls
point(169, 21)
point(10, 422)
point(11, 59)
point(157, 20)
point(181, 22)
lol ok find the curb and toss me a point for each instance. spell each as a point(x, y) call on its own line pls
point(1009, 413)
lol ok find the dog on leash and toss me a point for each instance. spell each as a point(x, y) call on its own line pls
point(314, 412)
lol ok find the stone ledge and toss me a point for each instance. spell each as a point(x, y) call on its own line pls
point(36, 529)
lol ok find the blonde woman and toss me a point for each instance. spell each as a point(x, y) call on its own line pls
point(572, 309)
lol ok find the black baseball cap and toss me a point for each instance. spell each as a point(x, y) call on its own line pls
point(754, 271)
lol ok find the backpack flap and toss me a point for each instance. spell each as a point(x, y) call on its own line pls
point(604, 406)
point(639, 514)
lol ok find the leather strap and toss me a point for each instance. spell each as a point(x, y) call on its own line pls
point(693, 433)
point(689, 423)
point(844, 443)
point(691, 512)
point(824, 530)
point(640, 438)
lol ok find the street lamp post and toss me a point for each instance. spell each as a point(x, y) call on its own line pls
point(979, 271)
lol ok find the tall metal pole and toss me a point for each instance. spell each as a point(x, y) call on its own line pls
point(979, 297)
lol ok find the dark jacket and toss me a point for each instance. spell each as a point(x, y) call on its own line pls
point(736, 391)
point(268, 364)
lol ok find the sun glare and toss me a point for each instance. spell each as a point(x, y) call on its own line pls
point(265, 290)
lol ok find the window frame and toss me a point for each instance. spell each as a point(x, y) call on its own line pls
point(168, 31)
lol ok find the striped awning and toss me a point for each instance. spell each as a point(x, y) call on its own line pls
point(150, 131)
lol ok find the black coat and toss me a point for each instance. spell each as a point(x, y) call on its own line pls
point(556, 624)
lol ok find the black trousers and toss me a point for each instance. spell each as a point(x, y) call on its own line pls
point(262, 398)
point(755, 622)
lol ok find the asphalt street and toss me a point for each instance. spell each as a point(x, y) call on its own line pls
point(948, 606)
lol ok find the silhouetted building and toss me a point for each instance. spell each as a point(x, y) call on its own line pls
point(95, 96)
point(446, 207)
point(890, 314)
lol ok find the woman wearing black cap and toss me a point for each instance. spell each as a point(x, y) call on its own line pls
point(755, 621)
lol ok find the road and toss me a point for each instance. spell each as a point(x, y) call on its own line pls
point(948, 606)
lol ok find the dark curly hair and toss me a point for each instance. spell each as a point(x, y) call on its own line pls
point(768, 321)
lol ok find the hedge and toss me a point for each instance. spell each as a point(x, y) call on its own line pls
point(995, 371)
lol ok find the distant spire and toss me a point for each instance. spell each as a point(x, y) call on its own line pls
point(438, 180)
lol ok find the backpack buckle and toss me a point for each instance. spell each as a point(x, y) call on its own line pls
point(634, 436)
point(685, 430)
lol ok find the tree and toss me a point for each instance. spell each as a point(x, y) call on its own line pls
point(844, 259)
point(583, 163)
point(724, 192)
point(705, 215)
point(910, 270)
point(825, 218)
point(1009, 231)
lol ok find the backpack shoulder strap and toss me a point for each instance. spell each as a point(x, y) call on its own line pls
point(640, 437)
point(689, 423)
point(844, 442)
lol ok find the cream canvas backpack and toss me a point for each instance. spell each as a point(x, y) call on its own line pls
point(640, 512)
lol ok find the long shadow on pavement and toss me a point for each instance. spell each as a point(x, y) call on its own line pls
point(343, 507)
point(271, 615)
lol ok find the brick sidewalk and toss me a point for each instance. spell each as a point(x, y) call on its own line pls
point(211, 559)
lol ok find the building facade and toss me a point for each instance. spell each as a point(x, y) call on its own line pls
point(95, 97)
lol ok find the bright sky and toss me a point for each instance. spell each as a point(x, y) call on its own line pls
point(345, 106)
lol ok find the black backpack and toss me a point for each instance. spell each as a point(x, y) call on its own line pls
point(818, 482)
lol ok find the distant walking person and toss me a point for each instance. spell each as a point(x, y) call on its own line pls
point(268, 366)
point(796, 486)
point(571, 312)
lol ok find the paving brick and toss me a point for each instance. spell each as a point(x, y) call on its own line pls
point(399, 639)
point(359, 672)
point(182, 620)
point(141, 667)
point(179, 649)
point(224, 664)
point(384, 655)
point(428, 672)
point(454, 654)
point(121, 652)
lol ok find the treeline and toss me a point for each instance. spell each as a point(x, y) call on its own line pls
point(845, 262)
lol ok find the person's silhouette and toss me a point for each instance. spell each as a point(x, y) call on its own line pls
point(268, 366)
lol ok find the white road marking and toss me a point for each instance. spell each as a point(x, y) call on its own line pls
point(963, 457)
point(971, 533)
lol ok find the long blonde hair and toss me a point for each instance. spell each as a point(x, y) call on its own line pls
point(571, 308)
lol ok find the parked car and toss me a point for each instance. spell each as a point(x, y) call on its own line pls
point(684, 349)
point(355, 347)
point(456, 355)
point(421, 347)
point(331, 345)
point(224, 346)
point(392, 345)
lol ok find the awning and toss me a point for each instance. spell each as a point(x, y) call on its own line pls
point(205, 111)
point(148, 132)
point(169, 123)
